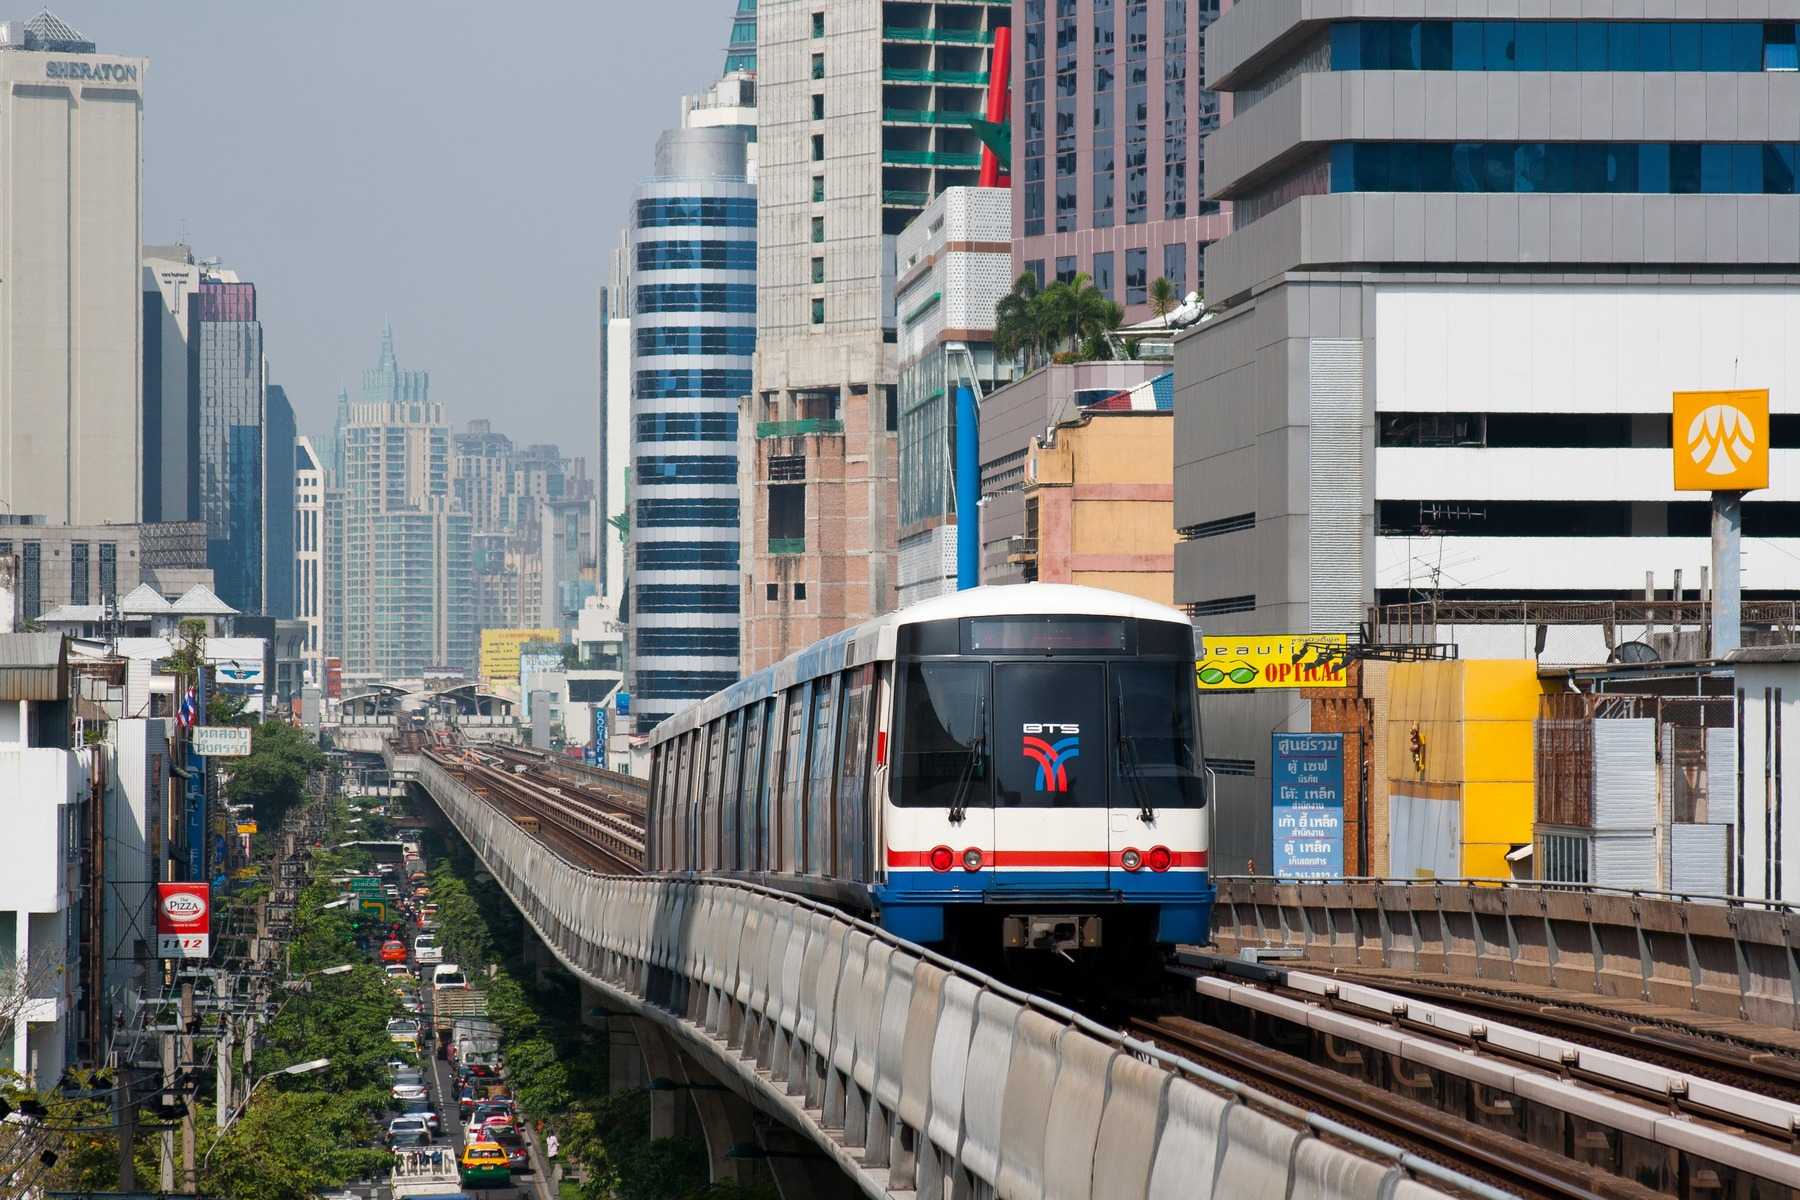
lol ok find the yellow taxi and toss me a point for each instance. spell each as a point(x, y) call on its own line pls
point(483, 1164)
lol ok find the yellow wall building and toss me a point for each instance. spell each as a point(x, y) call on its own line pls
point(500, 651)
point(1457, 762)
point(1100, 503)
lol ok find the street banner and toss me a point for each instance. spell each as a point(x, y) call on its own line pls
point(221, 741)
point(183, 920)
point(1307, 781)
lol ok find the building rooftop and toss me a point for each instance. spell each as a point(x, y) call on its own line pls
point(46, 31)
point(143, 600)
point(1764, 654)
point(33, 666)
point(199, 601)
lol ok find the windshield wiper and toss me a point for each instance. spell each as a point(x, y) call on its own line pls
point(977, 748)
point(1128, 766)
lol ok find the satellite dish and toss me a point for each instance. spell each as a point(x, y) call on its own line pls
point(1634, 652)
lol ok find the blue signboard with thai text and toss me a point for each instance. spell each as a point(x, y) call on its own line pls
point(1308, 798)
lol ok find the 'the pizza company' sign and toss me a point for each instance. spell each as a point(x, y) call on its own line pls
point(183, 920)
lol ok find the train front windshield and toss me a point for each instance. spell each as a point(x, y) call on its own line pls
point(1067, 731)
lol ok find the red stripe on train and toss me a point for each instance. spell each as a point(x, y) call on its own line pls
point(1019, 859)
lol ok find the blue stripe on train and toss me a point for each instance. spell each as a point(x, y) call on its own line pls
point(912, 901)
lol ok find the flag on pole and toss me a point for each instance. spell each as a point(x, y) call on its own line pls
point(190, 711)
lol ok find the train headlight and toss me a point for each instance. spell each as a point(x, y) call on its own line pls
point(942, 858)
point(1158, 858)
point(971, 859)
point(1131, 860)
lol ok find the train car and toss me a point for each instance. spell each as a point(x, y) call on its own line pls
point(1004, 768)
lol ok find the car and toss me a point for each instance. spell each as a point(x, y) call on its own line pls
point(408, 1085)
point(449, 977)
point(395, 1066)
point(486, 1112)
point(398, 971)
point(403, 1126)
point(423, 1110)
point(484, 1164)
point(393, 951)
point(493, 1125)
point(426, 949)
point(518, 1152)
point(403, 1031)
point(465, 1102)
point(411, 1141)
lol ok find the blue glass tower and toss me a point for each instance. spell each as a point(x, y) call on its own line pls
point(693, 334)
point(740, 52)
point(225, 382)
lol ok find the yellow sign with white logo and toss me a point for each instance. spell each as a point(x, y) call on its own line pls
point(1722, 441)
point(1244, 662)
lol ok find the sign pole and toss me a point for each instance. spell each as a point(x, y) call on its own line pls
point(1727, 531)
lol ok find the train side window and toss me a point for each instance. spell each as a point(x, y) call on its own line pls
point(707, 857)
point(793, 806)
point(823, 739)
point(753, 775)
point(690, 850)
point(769, 783)
point(729, 789)
point(853, 773)
point(677, 812)
point(781, 767)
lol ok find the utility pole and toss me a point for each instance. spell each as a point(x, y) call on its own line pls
point(222, 1074)
point(190, 1181)
point(125, 1117)
point(166, 1179)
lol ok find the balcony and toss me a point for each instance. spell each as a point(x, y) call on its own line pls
point(781, 546)
point(904, 198)
point(915, 33)
point(921, 75)
point(930, 158)
point(800, 428)
point(929, 116)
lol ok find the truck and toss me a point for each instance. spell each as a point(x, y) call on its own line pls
point(449, 1005)
point(426, 1171)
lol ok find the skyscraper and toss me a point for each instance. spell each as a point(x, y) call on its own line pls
point(1107, 153)
point(170, 481)
point(740, 51)
point(279, 436)
point(225, 392)
point(693, 333)
point(310, 584)
point(71, 313)
point(613, 467)
point(408, 588)
point(862, 120)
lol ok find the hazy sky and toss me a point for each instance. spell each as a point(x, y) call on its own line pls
point(460, 168)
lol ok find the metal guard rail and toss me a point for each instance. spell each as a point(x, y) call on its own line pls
point(948, 1071)
point(1519, 886)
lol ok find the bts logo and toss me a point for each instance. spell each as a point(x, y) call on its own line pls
point(1051, 757)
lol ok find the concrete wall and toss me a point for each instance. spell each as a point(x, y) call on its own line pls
point(1104, 494)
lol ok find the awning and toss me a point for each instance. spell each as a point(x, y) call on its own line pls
point(1519, 853)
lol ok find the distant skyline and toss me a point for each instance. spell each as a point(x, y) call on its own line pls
point(460, 170)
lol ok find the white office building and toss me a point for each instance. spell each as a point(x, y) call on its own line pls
point(309, 554)
point(71, 323)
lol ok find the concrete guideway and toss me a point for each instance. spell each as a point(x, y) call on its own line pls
point(1729, 967)
point(907, 1072)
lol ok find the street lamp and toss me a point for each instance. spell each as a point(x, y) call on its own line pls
point(304, 1068)
point(294, 984)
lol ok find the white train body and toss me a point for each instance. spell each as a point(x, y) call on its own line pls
point(1016, 763)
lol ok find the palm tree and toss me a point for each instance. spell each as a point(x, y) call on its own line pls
point(1163, 299)
point(1018, 321)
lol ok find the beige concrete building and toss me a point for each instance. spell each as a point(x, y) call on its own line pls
point(71, 320)
point(1100, 502)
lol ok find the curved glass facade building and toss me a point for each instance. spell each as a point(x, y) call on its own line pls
point(693, 334)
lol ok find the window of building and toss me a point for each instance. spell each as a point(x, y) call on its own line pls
point(1103, 274)
point(686, 427)
point(818, 66)
point(707, 556)
point(1065, 268)
point(1175, 267)
point(1614, 46)
point(799, 591)
point(890, 396)
point(785, 468)
point(78, 573)
point(699, 468)
point(771, 591)
point(818, 229)
point(1035, 269)
point(1657, 168)
point(818, 106)
point(689, 255)
point(818, 24)
point(715, 514)
point(818, 147)
point(818, 270)
point(701, 384)
point(787, 518)
point(1137, 271)
point(700, 339)
point(818, 310)
point(697, 297)
point(687, 597)
point(728, 212)
point(818, 189)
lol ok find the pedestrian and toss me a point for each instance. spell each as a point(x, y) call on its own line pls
point(550, 1147)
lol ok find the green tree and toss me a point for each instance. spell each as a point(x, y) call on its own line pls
point(1076, 315)
point(1162, 297)
point(291, 1145)
point(1018, 322)
point(273, 777)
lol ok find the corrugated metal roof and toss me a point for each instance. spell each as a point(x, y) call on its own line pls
point(33, 666)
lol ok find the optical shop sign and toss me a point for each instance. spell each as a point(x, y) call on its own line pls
point(1308, 799)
